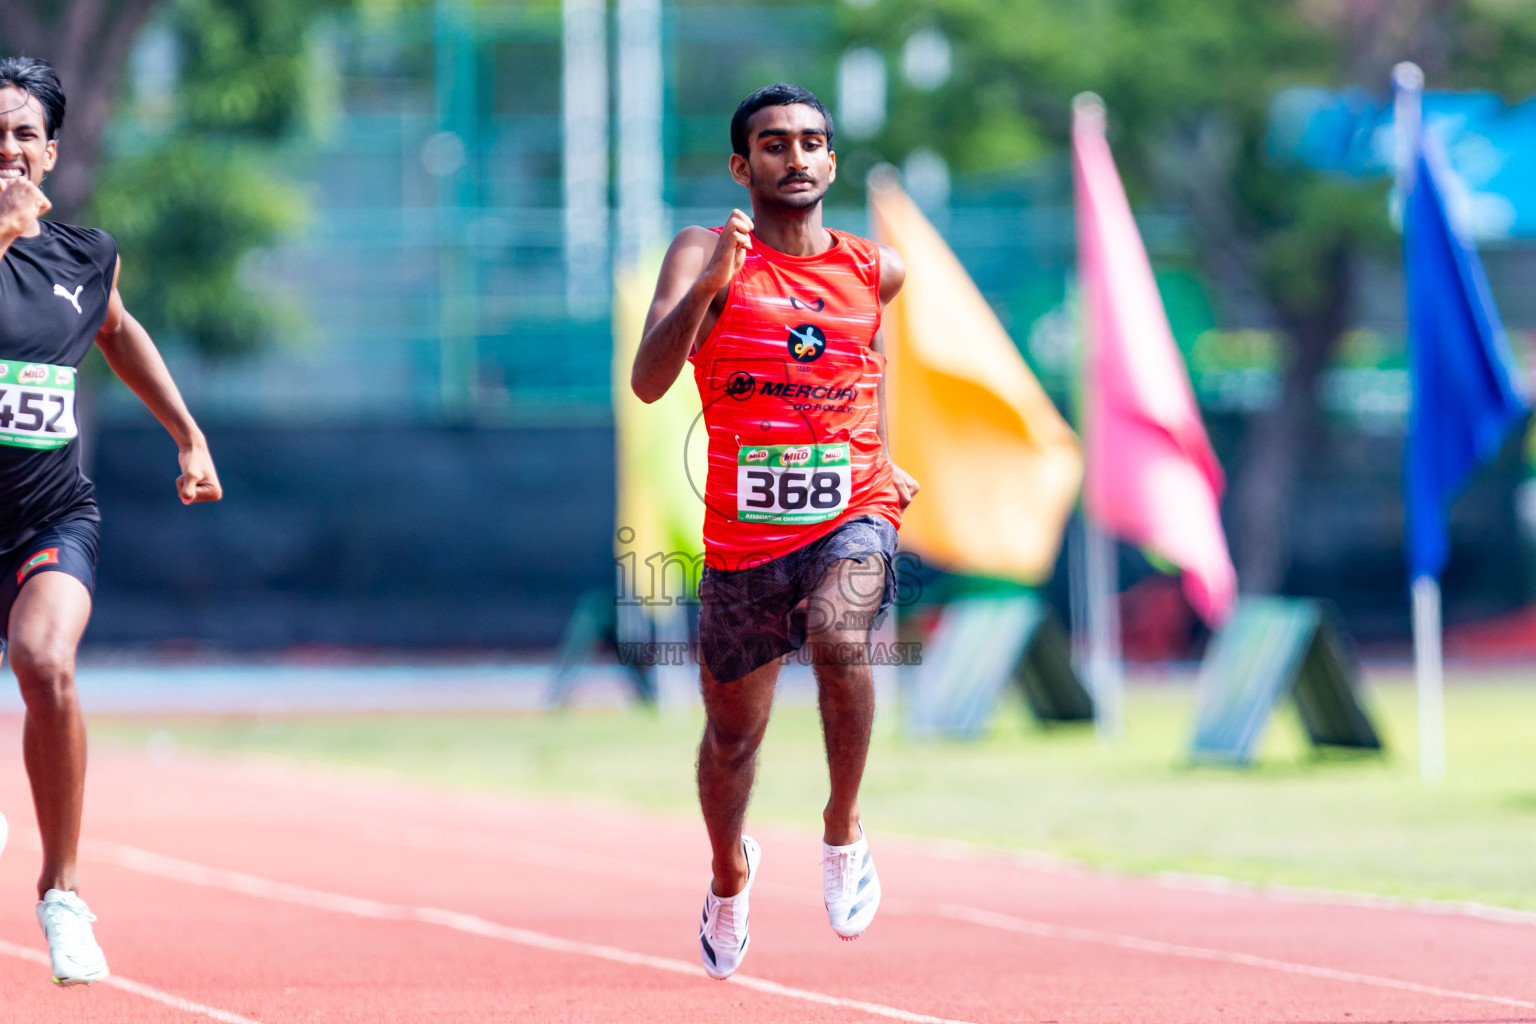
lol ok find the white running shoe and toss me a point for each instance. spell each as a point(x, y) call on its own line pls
point(850, 887)
point(723, 937)
point(66, 920)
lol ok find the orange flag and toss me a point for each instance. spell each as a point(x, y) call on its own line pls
point(999, 467)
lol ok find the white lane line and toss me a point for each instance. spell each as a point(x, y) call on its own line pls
point(550, 856)
point(391, 832)
point(138, 988)
point(1221, 885)
point(544, 855)
point(1045, 930)
point(276, 769)
point(461, 841)
point(189, 873)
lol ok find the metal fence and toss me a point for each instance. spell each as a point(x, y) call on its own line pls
point(434, 273)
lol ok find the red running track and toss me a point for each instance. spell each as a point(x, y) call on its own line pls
point(237, 890)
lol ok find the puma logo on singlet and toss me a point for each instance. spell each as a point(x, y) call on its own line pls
point(73, 297)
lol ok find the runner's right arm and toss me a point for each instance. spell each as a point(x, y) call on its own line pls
point(694, 276)
point(21, 204)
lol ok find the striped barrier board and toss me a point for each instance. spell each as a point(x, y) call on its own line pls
point(1274, 648)
point(980, 646)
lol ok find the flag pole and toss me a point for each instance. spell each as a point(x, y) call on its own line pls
point(1428, 678)
point(1077, 592)
point(1101, 571)
point(1407, 116)
point(1428, 664)
point(1104, 669)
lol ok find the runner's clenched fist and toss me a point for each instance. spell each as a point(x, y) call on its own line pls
point(21, 205)
point(730, 252)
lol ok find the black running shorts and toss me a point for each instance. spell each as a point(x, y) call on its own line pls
point(749, 617)
point(68, 547)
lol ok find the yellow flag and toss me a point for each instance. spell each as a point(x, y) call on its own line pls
point(660, 511)
point(999, 467)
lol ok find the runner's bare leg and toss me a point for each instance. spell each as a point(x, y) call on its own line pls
point(840, 613)
point(736, 716)
point(47, 621)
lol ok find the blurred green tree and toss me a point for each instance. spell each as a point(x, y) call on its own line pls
point(88, 43)
point(194, 189)
point(1188, 85)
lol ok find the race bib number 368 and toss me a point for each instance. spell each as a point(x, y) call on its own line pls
point(792, 483)
point(37, 405)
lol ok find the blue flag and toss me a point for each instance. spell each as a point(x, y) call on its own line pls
point(1467, 396)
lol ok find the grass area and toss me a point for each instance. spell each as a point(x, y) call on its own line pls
point(1359, 823)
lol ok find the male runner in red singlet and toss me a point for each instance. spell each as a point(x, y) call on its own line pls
point(780, 317)
point(58, 296)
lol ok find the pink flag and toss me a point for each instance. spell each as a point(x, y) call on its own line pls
point(1152, 479)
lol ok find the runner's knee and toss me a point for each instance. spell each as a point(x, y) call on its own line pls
point(843, 667)
point(733, 745)
point(46, 673)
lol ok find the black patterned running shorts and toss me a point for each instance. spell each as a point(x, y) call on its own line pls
point(749, 617)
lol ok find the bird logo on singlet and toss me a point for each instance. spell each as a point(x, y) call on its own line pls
point(73, 297)
point(806, 343)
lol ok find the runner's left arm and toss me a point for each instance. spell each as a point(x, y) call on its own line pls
point(133, 357)
point(893, 274)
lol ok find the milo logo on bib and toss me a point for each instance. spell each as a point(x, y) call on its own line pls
point(37, 405)
point(792, 483)
point(796, 456)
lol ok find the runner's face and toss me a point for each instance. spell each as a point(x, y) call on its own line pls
point(788, 161)
point(25, 149)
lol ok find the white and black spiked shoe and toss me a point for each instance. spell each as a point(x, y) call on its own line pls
point(850, 886)
point(723, 936)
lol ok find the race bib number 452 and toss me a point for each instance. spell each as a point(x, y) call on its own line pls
point(37, 405)
point(792, 483)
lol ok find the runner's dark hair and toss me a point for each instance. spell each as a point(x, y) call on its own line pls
point(37, 79)
point(781, 94)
